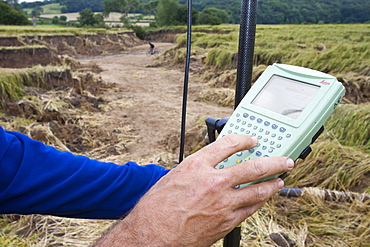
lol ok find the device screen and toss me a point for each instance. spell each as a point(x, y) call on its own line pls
point(285, 96)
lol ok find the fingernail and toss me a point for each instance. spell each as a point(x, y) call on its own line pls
point(255, 140)
point(290, 164)
point(280, 183)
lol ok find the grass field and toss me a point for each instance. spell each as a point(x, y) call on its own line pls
point(50, 30)
point(48, 9)
point(329, 48)
point(54, 9)
point(340, 159)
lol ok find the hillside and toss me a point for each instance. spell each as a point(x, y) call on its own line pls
point(296, 11)
point(269, 11)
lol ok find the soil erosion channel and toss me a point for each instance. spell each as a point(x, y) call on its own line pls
point(149, 102)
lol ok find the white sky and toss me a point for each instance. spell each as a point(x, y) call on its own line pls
point(28, 1)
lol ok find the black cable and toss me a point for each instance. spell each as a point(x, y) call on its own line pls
point(186, 83)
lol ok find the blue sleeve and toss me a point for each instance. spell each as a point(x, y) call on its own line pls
point(39, 179)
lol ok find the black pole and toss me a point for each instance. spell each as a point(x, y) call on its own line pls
point(247, 33)
point(186, 84)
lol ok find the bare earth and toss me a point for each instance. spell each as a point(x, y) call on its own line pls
point(149, 102)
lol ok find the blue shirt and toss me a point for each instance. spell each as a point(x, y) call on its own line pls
point(39, 179)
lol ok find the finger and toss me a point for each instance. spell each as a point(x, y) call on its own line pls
point(255, 169)
point(224, 147)
point(257, 193)
point(242, 213)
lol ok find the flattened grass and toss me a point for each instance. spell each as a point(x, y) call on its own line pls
point(350, 125)
point(6, 31)
point(13, 81)
point(330, 48)
point(340, 159)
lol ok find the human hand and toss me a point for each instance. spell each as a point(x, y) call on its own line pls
point(196, 204)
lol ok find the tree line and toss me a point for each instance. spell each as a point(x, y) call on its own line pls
point(318, 11)
point(295, 11)
point(269, 11)
point(174, 12)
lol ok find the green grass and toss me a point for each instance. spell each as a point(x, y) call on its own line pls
point(328, 48)
point(13, 81)
point(350, 125)
point(53, 8)
point(50, 30)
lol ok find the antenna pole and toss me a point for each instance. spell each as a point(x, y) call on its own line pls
point(247, 33)
point(186, 84)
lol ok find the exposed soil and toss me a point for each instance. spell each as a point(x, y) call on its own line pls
point(144, 101)
point(28, 51)
point(153, 96)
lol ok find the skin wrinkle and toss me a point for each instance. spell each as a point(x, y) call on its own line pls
point(261, 194)
point(259, 168)
point(195, 203)
point(231, 144)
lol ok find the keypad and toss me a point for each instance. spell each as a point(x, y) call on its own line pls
point(270, 135)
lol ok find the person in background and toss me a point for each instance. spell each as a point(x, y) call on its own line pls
point(194, 204)
point(151, 49)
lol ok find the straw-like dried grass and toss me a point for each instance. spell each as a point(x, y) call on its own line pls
point(310, 220)
point(222, 97)
point(350, 124)
point(39, 230)
point(332, 166)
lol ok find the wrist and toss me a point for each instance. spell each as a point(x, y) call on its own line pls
point(134, 232)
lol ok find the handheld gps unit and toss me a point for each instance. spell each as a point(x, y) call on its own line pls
point(285, 109)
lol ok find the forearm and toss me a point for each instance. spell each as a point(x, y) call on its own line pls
point(131, 232)
point(40, 179)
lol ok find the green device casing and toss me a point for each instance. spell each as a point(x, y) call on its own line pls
point(284, 109)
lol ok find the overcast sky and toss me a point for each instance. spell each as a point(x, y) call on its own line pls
point(28, 1)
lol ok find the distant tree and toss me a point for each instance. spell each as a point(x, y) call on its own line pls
point(182, 15)
point(63, 18)
point(14, 4)
point(55, 20)
point(355, 14)
point(75, 6)
point(208, 19)
point(139, 31)
point(37, 11)
point(121, 6)
point(219, 13)
point(167, 12)
point(99, 19)
point(150, 8)
point(294, 12)
point(9, 16)
point(88, 19)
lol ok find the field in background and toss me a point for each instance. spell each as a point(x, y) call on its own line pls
point(52, 10)
point(112, 19)
point(330, 48)
point(17, 31)
point(340, 159)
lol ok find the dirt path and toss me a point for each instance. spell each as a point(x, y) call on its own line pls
point(149, 102)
